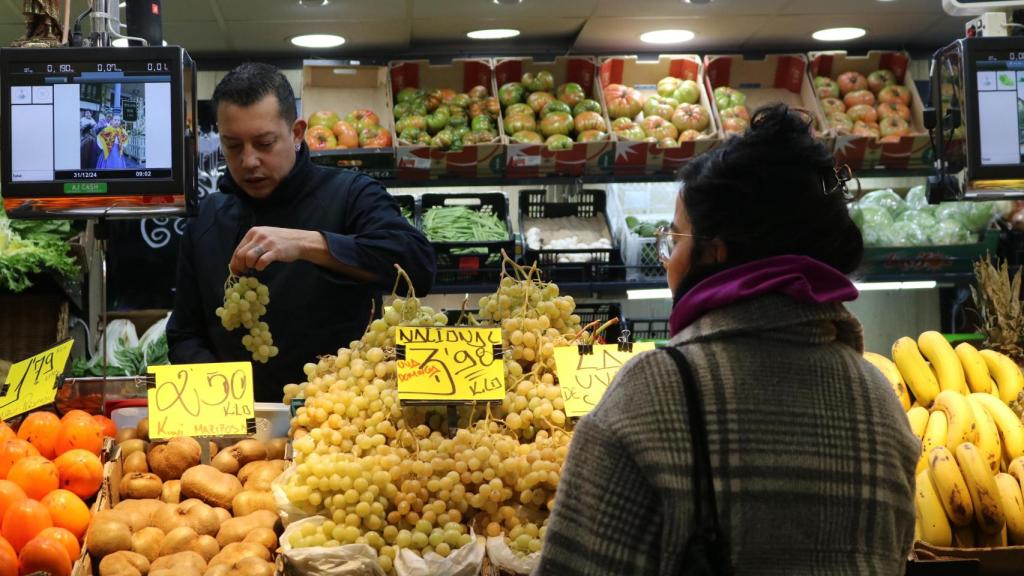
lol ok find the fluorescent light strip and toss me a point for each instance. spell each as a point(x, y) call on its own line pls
point(652, 294)
point(889, 286)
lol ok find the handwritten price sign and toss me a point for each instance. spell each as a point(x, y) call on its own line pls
point(33, 382)
point(201, 400)
point(584, 378)
point(445, 365)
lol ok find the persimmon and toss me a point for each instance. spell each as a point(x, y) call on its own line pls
point(9, 494)
point(44, 555)
point(22, 521)
point(6, 432)
point(65, 538)
point(80, 471)
point(12, 451)
point(36, 475)
point(108, 426)
point(84, 433)
point(76, 413)
point(8, 559)
point(67, 511)
point(41, 430)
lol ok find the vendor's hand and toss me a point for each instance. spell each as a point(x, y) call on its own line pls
point(264, 244)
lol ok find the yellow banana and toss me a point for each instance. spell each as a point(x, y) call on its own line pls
point(892, 374)
point(951, 487)
point(1011, 430)
point(988, 512)
point(937, 350)
point(997, 540)
point(987, 434)
point(1016, 469)
point(930, 515)
point(963, 536)
point(915, 370)
point(975, 368)
point(995, 390)
point(959, 417)
point(1006, 374)
point(918, 418)
point(1013, 506)
point(935, 432)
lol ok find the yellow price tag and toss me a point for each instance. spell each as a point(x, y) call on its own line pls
point(445, 365)
point(201, 400)
point(583, 379)
point(32, 383)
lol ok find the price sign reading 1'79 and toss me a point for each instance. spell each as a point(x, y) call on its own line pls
point(32, 383)
point(201, 400)
point(449, 365)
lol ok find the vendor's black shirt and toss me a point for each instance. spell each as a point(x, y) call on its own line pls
point(313, 311)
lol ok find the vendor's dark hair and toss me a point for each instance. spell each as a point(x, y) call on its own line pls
point(251, 82)
point(770, 192)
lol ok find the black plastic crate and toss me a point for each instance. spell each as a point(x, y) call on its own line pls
point(483, 265)
point(407, 202)
point(588, 313)
point(603, 264)
point(647, 329)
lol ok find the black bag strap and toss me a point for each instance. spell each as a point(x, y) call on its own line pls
point(703, 483)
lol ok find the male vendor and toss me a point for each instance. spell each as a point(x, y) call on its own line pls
point(325, 241)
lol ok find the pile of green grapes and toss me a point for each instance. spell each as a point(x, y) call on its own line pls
point(245, 302)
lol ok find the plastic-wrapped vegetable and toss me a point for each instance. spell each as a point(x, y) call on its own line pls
point(978, 215)
point(906, 233)
point(857, 215)
point(917, 200)
point(923, 220)
point(876, 223)
point(950, 211)
point(948, 232)
point(886, 199)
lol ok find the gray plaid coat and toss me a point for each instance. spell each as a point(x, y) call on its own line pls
point(813, 458)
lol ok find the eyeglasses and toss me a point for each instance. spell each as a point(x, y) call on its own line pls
point(665, 244)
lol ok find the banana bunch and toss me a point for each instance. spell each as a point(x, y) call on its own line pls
point(960, 502)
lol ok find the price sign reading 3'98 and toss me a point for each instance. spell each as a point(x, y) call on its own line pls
point(449, 365)
point(201, 400)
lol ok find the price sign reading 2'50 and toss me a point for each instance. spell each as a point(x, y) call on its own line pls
point(201, 400)
point(449, 365)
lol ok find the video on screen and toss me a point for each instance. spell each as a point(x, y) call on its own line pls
point(112, 124)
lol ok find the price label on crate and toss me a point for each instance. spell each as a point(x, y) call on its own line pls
point(583, 378)
point(449, 365)
point(33, 382)
point(201, 400)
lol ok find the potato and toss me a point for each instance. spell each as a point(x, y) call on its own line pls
point(169, 461)
point(142, 429)
point(126, 434)
point(248, 501)
point(237, 551)
point(124, 563)
point(251, 566)
point(132, 446)
point(135, 462)
point(171, 492)
point(169, 571)
point(190, 561)
point(140, 485)
point(147, 542)
point(178, 540)
point(108, 536)
point(206, 546)
point(268, 469)
point(222, 514)
point(265, 537)
point(141, 512)
point(236, 529)
point(275, 448)
point(232, 458)
point(195, 515)
point(210, 485)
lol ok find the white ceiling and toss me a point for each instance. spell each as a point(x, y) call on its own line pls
point(373, 28)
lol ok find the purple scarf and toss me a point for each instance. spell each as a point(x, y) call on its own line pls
point(798, 277)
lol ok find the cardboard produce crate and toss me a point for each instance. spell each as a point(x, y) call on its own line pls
point(639, 158)
point(913, 151)
point(416, 162)
point(339, 87)
point(533, 160)
point(929, 559)
point(777, 78)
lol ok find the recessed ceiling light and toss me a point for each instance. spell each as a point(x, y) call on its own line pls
point(507, 2)
point(318, 40)
point(667, 36)
point(314, 3)
point(123, 43)
point(493, 33)
point(838, 34)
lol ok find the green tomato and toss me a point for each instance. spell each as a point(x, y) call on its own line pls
point(587, 105)
point(559, 142)
point(437, 121)
point(409, 93)
point(554, 107)
point(482, 123)
point(511, 93)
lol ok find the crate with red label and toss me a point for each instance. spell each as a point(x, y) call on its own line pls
point(544, 104)
point(874, 108)
point(468, 252)
point(660, 112)
point(447, 121)
point(739, 86)
point(348, 115)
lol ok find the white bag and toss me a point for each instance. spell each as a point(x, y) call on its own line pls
point(348, 560)
point(503, 557)
point(466, 561)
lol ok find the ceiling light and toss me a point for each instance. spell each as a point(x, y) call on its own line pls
point(507, 2)
point(318, 40)
point(493, 34)
point(666, 36)
point(314, 3)
point(838, 34)
point(651, 294)
point(886, 286)
point(123, 43)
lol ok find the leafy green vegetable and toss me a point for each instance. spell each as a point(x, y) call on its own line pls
point(31, 247)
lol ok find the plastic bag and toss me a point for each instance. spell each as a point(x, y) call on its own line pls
point(887, 199)
point(906, 233)
point(978, 215)
point(120, 336)
point(348, 560)
point(466, 561)
point(876, 224)
point(917, 199)
point(950, 232)
point(288, 512)
point(505, 559)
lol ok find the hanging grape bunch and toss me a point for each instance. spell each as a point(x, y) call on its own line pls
point(245, 302)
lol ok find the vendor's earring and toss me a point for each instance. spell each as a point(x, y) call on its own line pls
point(298, 147)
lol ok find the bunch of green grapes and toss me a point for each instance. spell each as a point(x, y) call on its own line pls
point(401, 312)
point(245, 302)
point(526, 538)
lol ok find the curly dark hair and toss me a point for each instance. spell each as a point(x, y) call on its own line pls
point(772, 191)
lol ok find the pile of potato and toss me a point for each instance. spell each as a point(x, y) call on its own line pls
point(177, 517)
